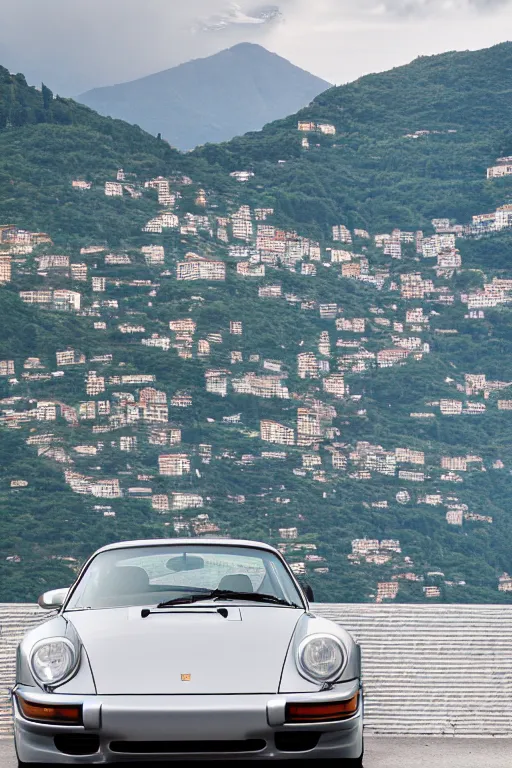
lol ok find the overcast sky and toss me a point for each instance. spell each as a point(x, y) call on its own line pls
point(74, 45)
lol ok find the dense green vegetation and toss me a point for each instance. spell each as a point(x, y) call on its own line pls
point(367, 176)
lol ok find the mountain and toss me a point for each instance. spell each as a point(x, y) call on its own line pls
point(211, 99)
point(319, 356)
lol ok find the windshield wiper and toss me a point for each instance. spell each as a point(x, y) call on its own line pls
point(227, 594)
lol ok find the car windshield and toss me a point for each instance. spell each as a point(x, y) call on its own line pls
point(150, 575)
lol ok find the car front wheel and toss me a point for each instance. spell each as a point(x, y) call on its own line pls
point(357, 762)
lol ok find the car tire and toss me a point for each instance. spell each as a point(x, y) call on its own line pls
point(349, 762)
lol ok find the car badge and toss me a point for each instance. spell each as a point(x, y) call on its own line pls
point(186, 678)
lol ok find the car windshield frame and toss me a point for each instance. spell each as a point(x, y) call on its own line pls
point(276, 572)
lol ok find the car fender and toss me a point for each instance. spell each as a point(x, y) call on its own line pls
point(82, 681)
point(291, 680)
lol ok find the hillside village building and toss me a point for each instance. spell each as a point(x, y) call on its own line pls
point(503, 167)
point(505, 583)
point(106, 489)
point(99, 284)
point(273, 432)
point(386, 590)
point(242, 223)
point(246, 269)
point(153, 254)
point(260, 386)
point(261, 214)
point(410, 456)
point(216, 382)
point(113, 189)
point(458, 463)
point(155, 413)
point(309, 127)
point(164, 436)
point(160, 503)
point(270, 291)
point(386, 358)
point(242, 176)
point(181, 400)
point(181, 500)
point(355, 325)
point(5, 269)
point(200, 268)
point(6, 367)
point(175, 464)
point(413, 286)
point(79, 272)
point(307, 365)
point(342, 234)
point(154, 226)
point(334, 385)
point(80, 184)
point(450, 407)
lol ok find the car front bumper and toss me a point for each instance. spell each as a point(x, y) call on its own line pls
point(200, 727)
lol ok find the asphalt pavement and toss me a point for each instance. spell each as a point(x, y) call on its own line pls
point(399, 753)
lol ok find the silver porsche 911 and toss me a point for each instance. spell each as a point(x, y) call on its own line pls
point(175, 649)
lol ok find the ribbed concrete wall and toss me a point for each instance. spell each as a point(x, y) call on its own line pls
point(433, 669)
point(428, 669)
point(15, 620)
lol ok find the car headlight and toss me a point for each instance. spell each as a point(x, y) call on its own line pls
point(53, 660)
point(321, 657)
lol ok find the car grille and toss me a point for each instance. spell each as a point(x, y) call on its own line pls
point(183, 747)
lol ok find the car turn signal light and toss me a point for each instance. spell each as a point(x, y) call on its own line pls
point(322, 713)
point(58, 714)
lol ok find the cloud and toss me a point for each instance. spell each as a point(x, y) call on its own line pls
point(234, 15)
point(389, 9)
point(426, 8)
point(74, 45)
point(77, 44)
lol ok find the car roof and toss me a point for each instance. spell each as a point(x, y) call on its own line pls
point(186, 541)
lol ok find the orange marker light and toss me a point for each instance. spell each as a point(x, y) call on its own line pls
point(324, 712)
point(59, 714)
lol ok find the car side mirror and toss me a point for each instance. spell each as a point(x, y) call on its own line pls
point(53, 599)
point(308, 591)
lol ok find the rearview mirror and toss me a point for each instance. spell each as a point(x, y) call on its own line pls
point(53, 599)
point(185, 563)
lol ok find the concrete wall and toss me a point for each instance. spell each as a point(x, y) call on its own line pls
point(428, 669)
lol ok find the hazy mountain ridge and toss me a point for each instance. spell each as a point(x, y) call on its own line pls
point(212, 99)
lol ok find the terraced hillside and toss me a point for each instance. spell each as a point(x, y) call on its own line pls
point(189, 348)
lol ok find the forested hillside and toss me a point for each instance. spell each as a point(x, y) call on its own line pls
point(317, 354)
point(372, 172)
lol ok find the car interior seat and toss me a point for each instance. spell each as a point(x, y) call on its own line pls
point(236, 582)
point(125, 580)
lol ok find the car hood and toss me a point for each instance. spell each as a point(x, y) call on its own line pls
point(243, 653)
